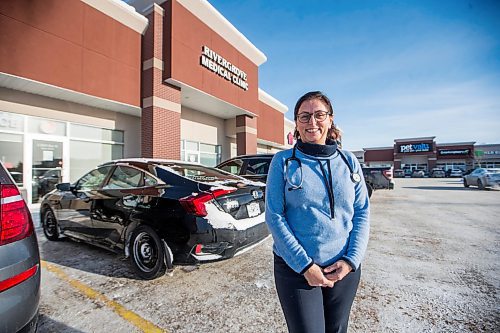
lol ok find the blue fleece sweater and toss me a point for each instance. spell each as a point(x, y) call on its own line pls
point(300, 220)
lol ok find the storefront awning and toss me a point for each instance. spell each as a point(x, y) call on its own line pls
point(44, 89)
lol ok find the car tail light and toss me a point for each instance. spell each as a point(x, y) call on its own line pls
point(15, 219)
point(388, 174)
point(16, 279)
point(195, 204)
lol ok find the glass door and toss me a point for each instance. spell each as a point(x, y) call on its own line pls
point(47, 164)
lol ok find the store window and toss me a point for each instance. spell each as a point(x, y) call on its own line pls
point(414, 166)
point(47, 163)
point(95, 133)
point(11, 155)
point(46, 126)
point(95, 153)
point(452, 166)
point(197, 152)
point(99, 144)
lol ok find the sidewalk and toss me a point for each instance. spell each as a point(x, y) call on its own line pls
point(35, 214)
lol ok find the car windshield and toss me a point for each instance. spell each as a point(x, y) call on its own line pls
point(200, 173)
point(493, 170)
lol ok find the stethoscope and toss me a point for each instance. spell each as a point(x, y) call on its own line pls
point(355, 177)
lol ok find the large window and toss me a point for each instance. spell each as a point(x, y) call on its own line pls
point(99, 145)
point(85, 156)
point(11, 155)
point(414, 166)
point(197, 152)
point(452, 166)
point(96, 133)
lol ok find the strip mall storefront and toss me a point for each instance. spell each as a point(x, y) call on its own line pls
point(422, 154)
point(86, 81)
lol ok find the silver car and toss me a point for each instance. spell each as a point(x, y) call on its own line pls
point(19, 261)
point(482, 178)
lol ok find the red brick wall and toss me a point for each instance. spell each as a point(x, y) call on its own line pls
point(161, 136)
point(70, 45)
point(379, 155)
point(270, 124)
point(188, 36)
point(161, 129)
point(246, 141)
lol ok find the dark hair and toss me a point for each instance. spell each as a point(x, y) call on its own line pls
point(333, 131)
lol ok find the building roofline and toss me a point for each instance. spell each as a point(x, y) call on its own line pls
point(379, 148)
point(272, 102)
point(413, 139)
point(121, 12)
point(486, 144)
point(207, 13)
point(456, 143)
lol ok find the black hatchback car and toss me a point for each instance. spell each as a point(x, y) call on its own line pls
point(253, 167)
point(158, 212)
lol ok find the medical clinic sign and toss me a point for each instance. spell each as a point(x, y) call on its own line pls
point(217, 64)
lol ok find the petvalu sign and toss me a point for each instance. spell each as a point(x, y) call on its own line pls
point(447, 152)
point(219, 65)
point(415, 148)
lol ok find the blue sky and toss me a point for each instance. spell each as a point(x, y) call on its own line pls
point(393, 69)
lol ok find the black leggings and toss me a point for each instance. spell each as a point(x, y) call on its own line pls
point(314, 309)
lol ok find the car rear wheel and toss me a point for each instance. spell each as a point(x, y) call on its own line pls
point(50, 225)
point(147, 253)
point(480, 184)
point(465, 183)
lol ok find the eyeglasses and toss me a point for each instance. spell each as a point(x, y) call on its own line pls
point(304, 117)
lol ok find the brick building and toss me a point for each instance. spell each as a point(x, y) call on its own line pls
point(86, 81)
point(422, 154)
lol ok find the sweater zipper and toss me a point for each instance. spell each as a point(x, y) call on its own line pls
point(329, 186)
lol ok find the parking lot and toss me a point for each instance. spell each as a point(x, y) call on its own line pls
point(432, 266)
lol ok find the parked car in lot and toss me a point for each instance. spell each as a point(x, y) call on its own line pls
point(456, 173)
point(158, 212)
point(399, 173)
point(482, 178)
point(19, 261)
point(253, 167)
point(437, 173)
point(378, 178)
point(256, 167)
point(417, 174)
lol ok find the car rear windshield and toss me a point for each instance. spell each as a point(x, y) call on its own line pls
point(200, 173)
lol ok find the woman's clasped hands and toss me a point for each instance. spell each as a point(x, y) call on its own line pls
point(318, 277)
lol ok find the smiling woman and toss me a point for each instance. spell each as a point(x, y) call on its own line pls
point(317, 264)
point(311, 121)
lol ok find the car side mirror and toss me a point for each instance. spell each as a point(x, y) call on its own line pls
point(64, 187)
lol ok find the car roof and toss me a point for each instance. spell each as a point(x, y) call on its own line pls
point(150, 161)
point(252, 156)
